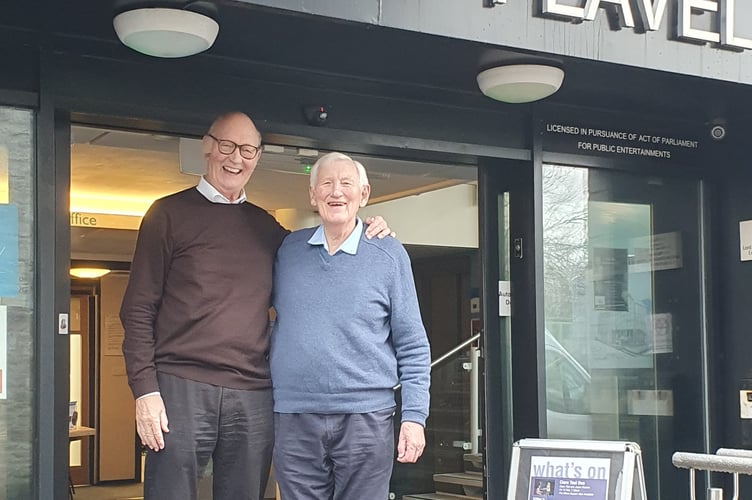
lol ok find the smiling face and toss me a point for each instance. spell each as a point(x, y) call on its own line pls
point(230, 173)
point(337, 193)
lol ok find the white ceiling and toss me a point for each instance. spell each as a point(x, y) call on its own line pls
point(109, 164)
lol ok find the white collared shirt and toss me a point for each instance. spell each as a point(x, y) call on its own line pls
point(214, 196)
point(350, 245)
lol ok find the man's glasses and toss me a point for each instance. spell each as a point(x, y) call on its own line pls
point(228, 147)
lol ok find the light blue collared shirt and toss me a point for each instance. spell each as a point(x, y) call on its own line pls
point(214, 196)
point(350, 245)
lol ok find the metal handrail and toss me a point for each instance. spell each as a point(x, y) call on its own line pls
point(475, 431)
point(454, 350)
point(449, 354)
point(727, 460)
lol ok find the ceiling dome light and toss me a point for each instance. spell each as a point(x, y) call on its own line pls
point(88, 272)
point(163, 32)
point(517, 83)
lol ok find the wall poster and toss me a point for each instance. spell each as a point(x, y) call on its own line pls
point(8, 250)
point(561, 478)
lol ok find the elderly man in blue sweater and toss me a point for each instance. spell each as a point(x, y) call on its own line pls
point(348, 329)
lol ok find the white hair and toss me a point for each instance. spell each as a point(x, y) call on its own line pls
point(331, 158)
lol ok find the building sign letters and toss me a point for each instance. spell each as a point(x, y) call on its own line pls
point(110, 221)
point(650, 13)
point(571, 137)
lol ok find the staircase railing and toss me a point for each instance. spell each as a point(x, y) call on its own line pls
point(475, 431)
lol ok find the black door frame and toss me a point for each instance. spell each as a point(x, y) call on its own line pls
point(90, 114)
point(515, 414)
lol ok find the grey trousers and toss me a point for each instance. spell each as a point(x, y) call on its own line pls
point(334, 457)
point(232, 427)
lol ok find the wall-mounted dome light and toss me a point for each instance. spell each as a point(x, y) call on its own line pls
point(517, 83)
point(162, 32)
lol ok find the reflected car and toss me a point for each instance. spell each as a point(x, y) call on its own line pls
point(567, 394)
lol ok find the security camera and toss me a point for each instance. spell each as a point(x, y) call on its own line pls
point(717, 132)
point(316, 115)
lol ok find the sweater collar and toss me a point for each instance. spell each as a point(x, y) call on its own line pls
point(350, 245)
point(214, 196)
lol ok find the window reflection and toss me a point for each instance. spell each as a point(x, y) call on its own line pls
point(621, 282)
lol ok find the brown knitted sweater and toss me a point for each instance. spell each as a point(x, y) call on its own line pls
point(197, 300)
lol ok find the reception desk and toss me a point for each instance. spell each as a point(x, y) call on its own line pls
point(78, 432)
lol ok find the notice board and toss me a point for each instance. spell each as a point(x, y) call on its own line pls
point(560, 469)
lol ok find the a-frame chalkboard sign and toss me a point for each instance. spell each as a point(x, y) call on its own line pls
point(559, 469)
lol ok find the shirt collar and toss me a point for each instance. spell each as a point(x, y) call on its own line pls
point(350, 245)
point(214, 196)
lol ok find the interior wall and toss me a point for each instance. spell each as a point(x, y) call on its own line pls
point(446, 217)
point(116, 429)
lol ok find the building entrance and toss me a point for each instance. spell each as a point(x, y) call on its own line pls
point(115, 175)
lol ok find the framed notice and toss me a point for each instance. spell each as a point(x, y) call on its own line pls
point(745, 239)
point(559, 469)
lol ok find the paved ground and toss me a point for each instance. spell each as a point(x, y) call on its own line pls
point(110, 492)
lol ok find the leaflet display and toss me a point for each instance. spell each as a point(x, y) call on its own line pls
point(555, 469)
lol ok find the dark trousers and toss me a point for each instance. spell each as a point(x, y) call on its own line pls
point(232, 427)
point(334, 457)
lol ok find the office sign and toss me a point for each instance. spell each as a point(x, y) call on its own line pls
point(109, 221)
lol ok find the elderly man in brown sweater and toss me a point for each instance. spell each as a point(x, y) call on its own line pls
point(195, 315)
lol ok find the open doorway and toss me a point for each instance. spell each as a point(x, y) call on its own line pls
point(116, 175)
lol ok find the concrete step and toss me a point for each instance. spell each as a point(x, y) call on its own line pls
point(475, 459)
point(437, 496)
point(474, 479)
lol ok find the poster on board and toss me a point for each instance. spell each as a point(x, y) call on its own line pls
point(8, 250)
point(564, 478)
point(564, 469)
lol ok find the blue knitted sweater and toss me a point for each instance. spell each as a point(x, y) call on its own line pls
point(348, 329)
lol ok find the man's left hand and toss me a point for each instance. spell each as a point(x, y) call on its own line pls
point(377, 227)
point(412, 441)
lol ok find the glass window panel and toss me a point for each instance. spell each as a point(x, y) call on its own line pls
point(17, 387)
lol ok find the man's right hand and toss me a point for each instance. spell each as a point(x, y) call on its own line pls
point(151, 421)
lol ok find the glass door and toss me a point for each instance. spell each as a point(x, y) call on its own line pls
point(623, 311)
